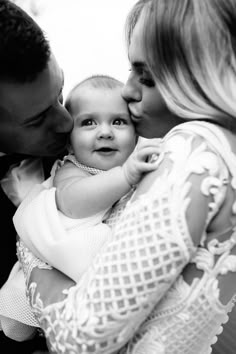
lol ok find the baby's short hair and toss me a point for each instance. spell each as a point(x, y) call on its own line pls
point(94, 81)
point(100, 81)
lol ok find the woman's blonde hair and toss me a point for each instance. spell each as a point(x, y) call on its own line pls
point(190, 48)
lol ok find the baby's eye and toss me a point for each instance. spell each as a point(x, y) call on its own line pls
point(120, 121)
point(87, 122)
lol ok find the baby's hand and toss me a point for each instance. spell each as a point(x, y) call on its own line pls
point(143, 159)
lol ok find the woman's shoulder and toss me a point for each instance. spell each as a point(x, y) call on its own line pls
point(220, 139)
point(204, 129)
point(197, 127)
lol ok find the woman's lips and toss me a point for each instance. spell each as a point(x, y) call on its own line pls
point(135, 119)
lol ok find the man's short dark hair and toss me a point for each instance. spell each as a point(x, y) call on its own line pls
point(24, 49)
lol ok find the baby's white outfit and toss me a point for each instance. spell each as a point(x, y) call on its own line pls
point(70, 251)
point(71, 244)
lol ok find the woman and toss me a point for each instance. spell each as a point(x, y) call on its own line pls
point(168, 273)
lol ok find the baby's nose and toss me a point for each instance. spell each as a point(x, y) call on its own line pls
point(105, 132)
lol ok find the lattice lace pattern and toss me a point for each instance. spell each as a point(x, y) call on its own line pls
point(150, 246)
point(187, 325)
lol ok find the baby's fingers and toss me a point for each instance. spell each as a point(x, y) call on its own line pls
point(148, 153)
point(153, 159)
point(145, 167)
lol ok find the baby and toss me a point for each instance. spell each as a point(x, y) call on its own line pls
point(103, 165)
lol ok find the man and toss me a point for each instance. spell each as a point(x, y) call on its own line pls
point(33, 122)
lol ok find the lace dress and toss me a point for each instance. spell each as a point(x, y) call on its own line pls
point(134, 298)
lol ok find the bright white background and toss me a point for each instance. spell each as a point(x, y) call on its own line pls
point(87, 36)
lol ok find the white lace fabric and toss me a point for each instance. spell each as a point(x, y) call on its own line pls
point(125, 291)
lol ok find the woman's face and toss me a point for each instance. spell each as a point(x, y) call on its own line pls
point(149, 113)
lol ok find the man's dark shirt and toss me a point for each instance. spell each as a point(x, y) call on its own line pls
point(8, 254)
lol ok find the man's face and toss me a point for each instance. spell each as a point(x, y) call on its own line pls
point(33, 120)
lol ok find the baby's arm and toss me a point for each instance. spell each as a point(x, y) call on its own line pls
point(80, 195)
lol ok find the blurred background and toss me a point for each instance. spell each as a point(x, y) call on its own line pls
point(87, 36)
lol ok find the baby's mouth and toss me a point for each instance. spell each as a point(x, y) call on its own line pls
point(106, 150)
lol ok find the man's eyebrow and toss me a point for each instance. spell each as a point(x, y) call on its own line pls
point(32, 118)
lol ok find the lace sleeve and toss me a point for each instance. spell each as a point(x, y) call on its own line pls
point(150, 246)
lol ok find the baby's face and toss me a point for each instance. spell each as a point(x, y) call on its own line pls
point(103, 135)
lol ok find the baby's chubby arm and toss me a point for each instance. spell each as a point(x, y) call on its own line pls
point(80, 195)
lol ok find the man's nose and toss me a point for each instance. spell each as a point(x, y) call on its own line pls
point(63, 120)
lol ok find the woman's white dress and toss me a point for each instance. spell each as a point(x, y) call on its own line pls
point(133, 298)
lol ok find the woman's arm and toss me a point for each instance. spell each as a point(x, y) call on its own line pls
point(151, 244)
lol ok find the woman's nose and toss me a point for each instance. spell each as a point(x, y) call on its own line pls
point(131, 90)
